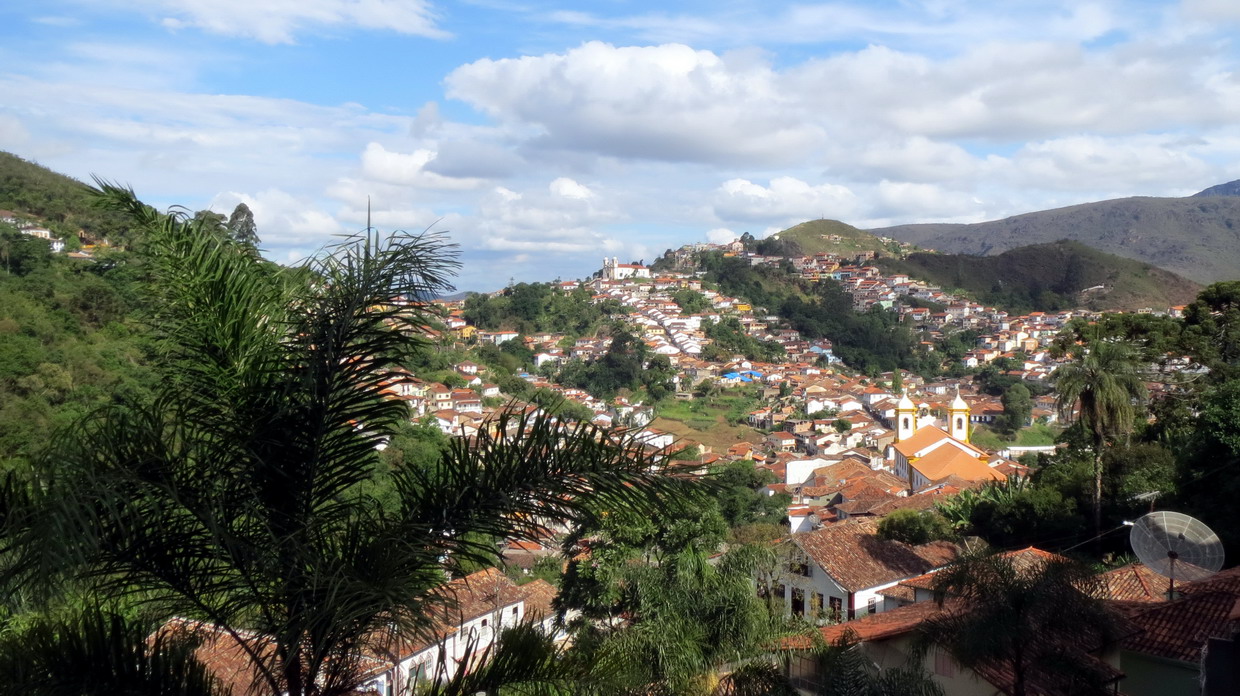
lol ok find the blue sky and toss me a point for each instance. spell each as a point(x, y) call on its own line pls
point(544, 135)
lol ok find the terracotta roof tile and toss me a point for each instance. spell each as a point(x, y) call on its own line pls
point(1178, 630)
point(1135, 582)
point(854, 555)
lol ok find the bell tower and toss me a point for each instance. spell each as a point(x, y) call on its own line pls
point(958, 418)
point(906, 418)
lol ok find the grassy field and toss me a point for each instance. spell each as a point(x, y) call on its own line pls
point(1034, 436)
point(717, 422)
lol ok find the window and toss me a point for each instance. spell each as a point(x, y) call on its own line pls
point(872, 605)
point(484, 623)
point(837, 608)
point(798, 602)
point(781, 592)
point(815, 604)
point(514, 611)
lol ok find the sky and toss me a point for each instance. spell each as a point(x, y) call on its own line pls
point(541, 136)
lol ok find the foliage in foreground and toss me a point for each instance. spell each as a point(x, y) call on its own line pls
point(239, 494)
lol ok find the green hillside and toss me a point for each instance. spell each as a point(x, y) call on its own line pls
point(1197, 237)
point(59, 202)
point(1048, 277)
point(834, 237)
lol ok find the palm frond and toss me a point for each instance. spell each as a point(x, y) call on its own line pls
point(100, 653)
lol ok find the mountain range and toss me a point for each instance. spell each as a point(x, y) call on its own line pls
point(1197, 237)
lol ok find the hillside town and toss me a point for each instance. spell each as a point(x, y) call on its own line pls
point(838, 443)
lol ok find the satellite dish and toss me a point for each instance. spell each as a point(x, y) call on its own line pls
point(1176, 546)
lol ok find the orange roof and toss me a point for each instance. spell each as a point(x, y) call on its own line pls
point(950, 461)
point(1135, 582)
point(857, 558)
point(929, 437)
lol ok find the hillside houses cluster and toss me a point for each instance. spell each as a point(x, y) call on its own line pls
point(833, 441)
point(28, 226)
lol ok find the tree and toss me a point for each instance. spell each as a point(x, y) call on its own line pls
point(98, 654)
point(1008, 615)
point(913, 526)
point(1212, 329)
point(1104, 381)
point(686, 618)
point(240, 493)
point(848, 671)
point(1017, 407)
point(241, 225)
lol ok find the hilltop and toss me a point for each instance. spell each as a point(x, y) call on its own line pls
point(1197, 237)
point(835, 237)
point(1049, 277)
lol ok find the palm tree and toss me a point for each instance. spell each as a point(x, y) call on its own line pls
point(1105, 380)
point(1021, 620)
point(241, 494)
point(96, 654)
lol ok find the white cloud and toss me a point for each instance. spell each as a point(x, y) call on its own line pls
point(916, 157)
point(898, 199)
point(669, 103)
point(1227, 10)
point(282, 218)
point(567, 188)
point(279, 21)
point(409, 169)
point(1126, 166)
point(721, 235)
point(786, 199)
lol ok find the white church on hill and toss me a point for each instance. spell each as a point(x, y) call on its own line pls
point(612, 270)
point(924, 453)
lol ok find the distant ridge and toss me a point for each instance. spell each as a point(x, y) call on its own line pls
point(1197, 237)
point(1231, 188)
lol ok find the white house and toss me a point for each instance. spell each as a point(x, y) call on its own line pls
point(837, 572)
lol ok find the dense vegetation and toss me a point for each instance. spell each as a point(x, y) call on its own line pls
point(628, 365)
point(540, 307)
point(1049, 277)
point(69, 341)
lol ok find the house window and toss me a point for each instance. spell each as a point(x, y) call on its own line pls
point(484, 623)
point(944, 665)
point(837, 608)
point(798, 602)
point(815, 604)
point(872, 605)
point(781, 592)
point(514, 611)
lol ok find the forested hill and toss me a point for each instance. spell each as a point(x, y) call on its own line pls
point(69, 340)
point(61, 203)
point(1048, 277)
point(1196, 237)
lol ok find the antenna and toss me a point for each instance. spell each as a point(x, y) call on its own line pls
point(1176, 546)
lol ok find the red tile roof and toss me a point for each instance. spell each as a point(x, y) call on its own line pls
point(1134, 582)
point(854, 555)
point(1178, 630)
